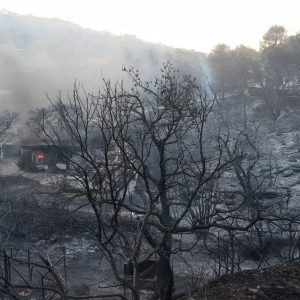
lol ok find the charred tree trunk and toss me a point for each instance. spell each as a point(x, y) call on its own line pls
point(165, 276)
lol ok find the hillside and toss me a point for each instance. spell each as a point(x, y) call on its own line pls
point(39, 55)
point(276, 283)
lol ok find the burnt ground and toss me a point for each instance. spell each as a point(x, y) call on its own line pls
point(41, 224)
point(34, 214)
point(281, 282)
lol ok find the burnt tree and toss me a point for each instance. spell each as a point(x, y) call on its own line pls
point(143, 158)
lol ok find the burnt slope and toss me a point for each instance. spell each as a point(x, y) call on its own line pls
point(278, 283)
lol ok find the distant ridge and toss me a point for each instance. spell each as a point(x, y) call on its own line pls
point(39, 55)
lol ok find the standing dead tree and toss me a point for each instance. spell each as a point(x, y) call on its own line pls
point(141, 161)
point(253, 185)
point(44, 279)
point(7, 120)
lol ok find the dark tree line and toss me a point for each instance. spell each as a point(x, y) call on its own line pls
point(273, 71)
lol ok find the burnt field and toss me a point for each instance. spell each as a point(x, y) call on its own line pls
point(43, 223)
point(34, 214)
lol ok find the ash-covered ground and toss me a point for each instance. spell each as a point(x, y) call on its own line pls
point(41, 222)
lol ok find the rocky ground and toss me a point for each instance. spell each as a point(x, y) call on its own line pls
point(275, 283)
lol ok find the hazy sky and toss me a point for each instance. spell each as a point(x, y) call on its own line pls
point(191, 24)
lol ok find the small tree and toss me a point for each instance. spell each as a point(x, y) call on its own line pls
point(276, 69)
point(7, 119)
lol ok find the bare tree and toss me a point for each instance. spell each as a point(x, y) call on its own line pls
point(141, 160)
point(7, 119)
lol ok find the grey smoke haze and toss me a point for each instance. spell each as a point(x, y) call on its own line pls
point(46, 55)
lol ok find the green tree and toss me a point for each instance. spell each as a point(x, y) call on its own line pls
point(276, 69)
point(221, 62)
point(275, 36)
